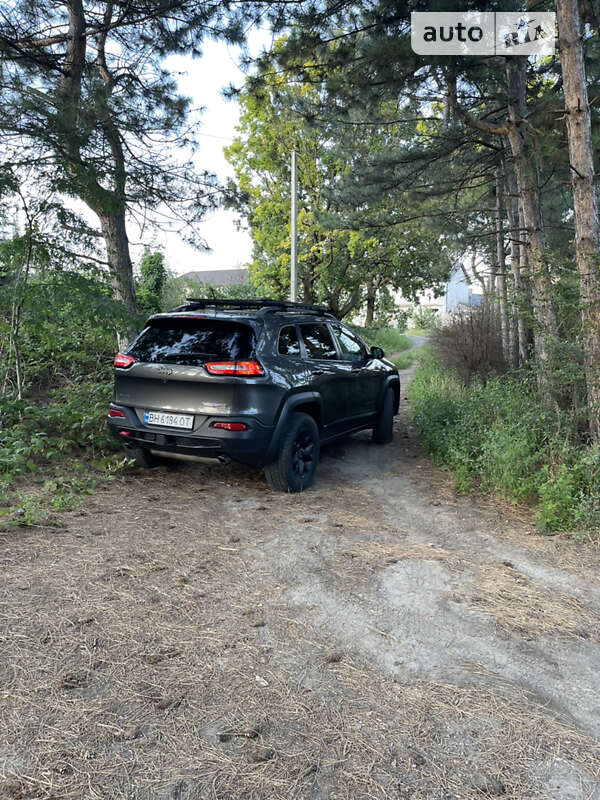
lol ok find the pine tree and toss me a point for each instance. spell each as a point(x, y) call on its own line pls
point(585, 204)
point(83, 86)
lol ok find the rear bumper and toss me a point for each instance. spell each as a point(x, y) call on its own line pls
point(247, 447)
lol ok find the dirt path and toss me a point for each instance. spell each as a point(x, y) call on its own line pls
point(415, 343)
point(189, 634)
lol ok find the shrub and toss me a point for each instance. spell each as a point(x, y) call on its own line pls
point(69, 421)
point(391, 318)
point(401, 318)
point(424, 317)
point(497, 436)
point(392, 340)
point(67, 342)
point(471, 343)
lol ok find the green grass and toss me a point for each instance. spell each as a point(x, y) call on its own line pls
point(390, 339)
point(54, 451)
point(406, 360)
point(417, 331)
point(499, 437)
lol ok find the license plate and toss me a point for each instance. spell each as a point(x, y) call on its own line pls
point(168, 420)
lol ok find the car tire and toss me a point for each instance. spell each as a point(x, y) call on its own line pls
point(295, 467)
point(383, 432)
point(143, 458)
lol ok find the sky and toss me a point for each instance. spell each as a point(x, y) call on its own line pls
point(203, 80)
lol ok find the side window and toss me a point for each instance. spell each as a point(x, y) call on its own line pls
point(352, 348)
point(289, 345)
point(318, 342)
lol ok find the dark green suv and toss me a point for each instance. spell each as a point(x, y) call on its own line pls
point(259, 382)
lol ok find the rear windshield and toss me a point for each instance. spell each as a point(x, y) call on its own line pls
point(193, 341)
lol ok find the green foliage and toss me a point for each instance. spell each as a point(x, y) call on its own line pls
point(153, 272)
point(414, 331)
point(339, 259)
point(69, 419)
point(500, 438)
point(65, 439)
point(400, 318)
point(387, 313)
point(406, 360)
point(69, 329)
point(424, 318)
point(121, 137)
point(391, 340)
point(151, 284)
point(66, 339)
point(27, 513)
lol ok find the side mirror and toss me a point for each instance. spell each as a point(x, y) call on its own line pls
point(377, 352)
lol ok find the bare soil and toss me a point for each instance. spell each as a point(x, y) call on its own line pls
point(189, 634)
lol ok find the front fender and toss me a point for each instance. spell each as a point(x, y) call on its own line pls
point(391, 382)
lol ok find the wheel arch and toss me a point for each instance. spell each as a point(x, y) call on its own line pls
point(305, 402)
point(391, 382)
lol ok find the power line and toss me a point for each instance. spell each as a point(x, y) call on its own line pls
point(215, 136)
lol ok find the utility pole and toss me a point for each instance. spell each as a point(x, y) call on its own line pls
point(294, 215)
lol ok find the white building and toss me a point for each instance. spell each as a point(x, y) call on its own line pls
point(218, 278)
point(460, 291)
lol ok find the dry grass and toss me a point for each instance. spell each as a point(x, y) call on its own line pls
point(357, 562)
point(145, 655)
point(517, 604)
point(147, 650)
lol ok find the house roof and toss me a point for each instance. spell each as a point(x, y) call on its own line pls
point(218, 277)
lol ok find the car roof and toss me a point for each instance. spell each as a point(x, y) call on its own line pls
point(277, 317)
point(247, 310)
point(260, 306)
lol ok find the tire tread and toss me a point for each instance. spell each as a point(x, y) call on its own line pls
point(383, 432)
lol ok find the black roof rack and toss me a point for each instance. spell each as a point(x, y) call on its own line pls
point(262, 305)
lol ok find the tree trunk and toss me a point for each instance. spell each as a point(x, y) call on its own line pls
point(585, 206)
point(518, 132)
point(477, 275)
point(507, 345)
point(307, 286)
point(117, 253)
point(520, 296)
point(525, 160)
point(524, 266)
point(370, 310)
point(308, 278)
point(108, 204)
point(338, 309)
point(112, 219)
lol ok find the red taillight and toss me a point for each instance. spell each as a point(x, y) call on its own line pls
point(230, 426)
point(234, 368)
point(114, 412)
point(123, 361)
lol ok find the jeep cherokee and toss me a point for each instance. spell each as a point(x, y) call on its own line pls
point(260, 382)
